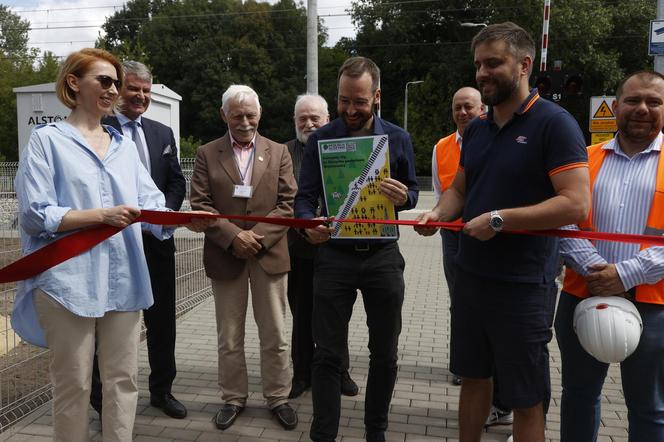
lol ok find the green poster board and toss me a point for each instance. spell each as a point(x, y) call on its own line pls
point(352, 169)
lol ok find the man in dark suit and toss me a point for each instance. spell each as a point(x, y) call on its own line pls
point(158, 153)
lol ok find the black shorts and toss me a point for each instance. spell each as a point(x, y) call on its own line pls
point(503, 328)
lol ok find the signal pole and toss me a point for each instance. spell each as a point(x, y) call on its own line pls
point(312, 46)
point(659, 59)
point(545, 34)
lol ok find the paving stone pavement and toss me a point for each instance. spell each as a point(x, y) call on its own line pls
point(425, 403)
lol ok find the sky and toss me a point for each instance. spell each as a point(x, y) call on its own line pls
point(64, 26)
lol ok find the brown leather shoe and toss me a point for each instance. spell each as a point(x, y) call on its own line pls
point(286, 416)
point(227, 415)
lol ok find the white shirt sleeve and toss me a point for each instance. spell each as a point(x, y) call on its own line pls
point(434, 174)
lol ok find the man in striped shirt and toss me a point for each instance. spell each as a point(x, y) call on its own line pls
point(309, 114)
point(627, 181)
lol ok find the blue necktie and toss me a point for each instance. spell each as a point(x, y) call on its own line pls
point(139, 143)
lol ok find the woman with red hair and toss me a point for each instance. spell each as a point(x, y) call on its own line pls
point(74, 174)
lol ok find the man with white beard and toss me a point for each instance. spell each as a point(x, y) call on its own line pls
point(244, 173)
point(310, 113)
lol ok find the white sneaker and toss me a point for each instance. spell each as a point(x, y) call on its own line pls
point(499, 417)
point(510, 439)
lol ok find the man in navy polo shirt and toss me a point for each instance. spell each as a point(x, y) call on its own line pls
point(375, 267)
point(523, 167)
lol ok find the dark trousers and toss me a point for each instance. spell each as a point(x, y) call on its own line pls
point(301, 302)
point(159, 319)
point(642, 375)
point(339, 272)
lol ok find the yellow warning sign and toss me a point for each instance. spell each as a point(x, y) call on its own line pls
point(603, 125)
point(599, 137)
point(604, 111)
point(602, 118)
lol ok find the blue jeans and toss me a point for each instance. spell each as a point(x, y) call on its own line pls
point(583, 378)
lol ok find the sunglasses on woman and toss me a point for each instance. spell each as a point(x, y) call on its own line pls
point(107, 81)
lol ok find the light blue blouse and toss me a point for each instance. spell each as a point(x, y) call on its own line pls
point(58, 172)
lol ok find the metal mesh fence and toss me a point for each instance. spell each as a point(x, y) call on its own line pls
point(24, 379)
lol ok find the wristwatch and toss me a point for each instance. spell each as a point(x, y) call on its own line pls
point(496, 221)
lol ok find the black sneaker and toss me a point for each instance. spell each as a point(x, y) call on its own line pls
point(298, 386)
point(348, 386)
point(375, 437)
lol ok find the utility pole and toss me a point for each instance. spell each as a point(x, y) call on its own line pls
point(405, 103)
point(312, 46)
point(659, 59)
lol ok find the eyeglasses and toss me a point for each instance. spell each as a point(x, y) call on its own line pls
point(107, 81)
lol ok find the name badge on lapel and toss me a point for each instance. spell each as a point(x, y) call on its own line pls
point(241, 191)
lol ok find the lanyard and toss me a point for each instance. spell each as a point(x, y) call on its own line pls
point(246, 169)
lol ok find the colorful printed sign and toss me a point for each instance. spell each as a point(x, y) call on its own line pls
point(352, 169)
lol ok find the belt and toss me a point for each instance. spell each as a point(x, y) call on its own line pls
point(359, 246)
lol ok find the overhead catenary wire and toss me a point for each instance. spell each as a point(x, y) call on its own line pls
point(280, 11)
point(441, 10)
point(272, 11)
point(366, 46)
point(123, 4)
point(349, 4)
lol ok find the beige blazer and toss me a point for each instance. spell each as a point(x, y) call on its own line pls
point(212, 183)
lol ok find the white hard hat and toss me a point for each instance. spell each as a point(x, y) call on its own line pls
point(608, 327)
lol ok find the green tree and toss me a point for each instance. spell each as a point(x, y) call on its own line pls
point(188, 146)
point(199, 48)
point(418, 41)
point(19, 66)
point(13, 36)
point(601, 40)
point(329, 61)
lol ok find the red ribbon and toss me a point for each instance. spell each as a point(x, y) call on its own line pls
point(80, 241)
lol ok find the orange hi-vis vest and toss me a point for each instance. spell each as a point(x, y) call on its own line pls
point(650, 293)
point(448, 154)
